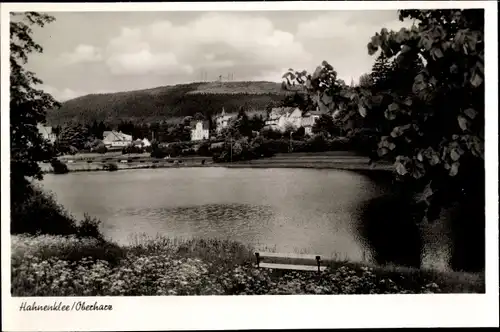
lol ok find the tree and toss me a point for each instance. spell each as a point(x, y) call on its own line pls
point(198, 117)
point(365, 81)
point(182, 131)
point(257, 122)
point(126, 127)
point(381, 71)
point(75, 135)
point(433, 132)
point(242, 123)
point(325, 124)
point(28, 105)
point(300, 133)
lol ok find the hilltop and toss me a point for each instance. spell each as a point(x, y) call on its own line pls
point(168, 102)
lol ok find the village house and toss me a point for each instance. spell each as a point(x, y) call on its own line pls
point(309, 119)
point(199, 130)
point(114, 139)
point(47, 133)
point(281, 117)
point(143, 143)
point(222, 121)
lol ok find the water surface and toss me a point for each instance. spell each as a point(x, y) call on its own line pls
point(289, 209)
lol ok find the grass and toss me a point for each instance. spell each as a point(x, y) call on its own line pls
point(70, 266)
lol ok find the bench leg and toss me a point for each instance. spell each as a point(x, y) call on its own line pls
point(258, 259)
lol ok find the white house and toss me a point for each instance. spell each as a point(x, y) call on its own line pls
point(280, 117)
point(222, 120)
point(199, 131)
point(47, 133)
point(116, 139)
point(146, 142)
point(309, 119)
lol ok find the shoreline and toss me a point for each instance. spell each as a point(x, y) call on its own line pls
point(267, 163)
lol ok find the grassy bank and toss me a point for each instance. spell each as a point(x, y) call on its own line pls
point(70, 266)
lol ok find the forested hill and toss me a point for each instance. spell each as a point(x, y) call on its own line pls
point(168, 102)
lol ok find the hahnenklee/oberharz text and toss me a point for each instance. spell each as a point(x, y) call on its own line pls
point(60, 306)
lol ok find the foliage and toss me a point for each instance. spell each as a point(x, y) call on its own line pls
point(58, 166)
point(101, 148)
point(298, 99)
point(298, 134)
point(270, 133)
point(111, 167)
point(204, 149)
point(89, 228)
point(28, 105)
point(67, 266)
point(41, 214)
point(326, 125)
point(73, 135)
point(366, 81)
point(132, 148)
point(234, 150)
point(433, 132)
point(173, 150)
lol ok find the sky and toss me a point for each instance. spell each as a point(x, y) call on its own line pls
point(98, 52)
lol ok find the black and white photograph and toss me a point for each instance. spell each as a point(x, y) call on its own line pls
point(237, 152)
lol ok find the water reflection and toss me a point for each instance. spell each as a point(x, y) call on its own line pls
point(329, 212)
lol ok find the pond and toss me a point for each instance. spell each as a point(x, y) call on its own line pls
point(301, 210)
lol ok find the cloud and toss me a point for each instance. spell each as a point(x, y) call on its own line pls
point(213, 42)
point(145, 62)
point(342, 37)
point(65, 94)
point(61, 95)
point(82, 54)
point(354, 26)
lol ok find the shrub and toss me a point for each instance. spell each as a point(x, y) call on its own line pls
point(132, 149)
point(270, 133)
point(318, 143)
point(39, 213)
point(110, 167)
point(340, 144)
point(58, 166)
point(100, 149)
point(89, 227)
point(204, 149)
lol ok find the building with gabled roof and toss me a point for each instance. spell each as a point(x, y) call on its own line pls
point(47, 133)
point(116, 139)
point(200, 130)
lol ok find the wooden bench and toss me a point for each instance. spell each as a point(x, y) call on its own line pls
point(285, 261)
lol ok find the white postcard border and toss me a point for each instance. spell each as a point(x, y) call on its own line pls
point(270, 312)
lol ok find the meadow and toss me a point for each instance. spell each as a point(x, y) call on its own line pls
point(71, 266)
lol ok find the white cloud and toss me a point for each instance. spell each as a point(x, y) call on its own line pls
point(342, 38)
point(81, 54)
point(336, 26)
point(145, 62)
point(213, 41)
point(61, 95)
